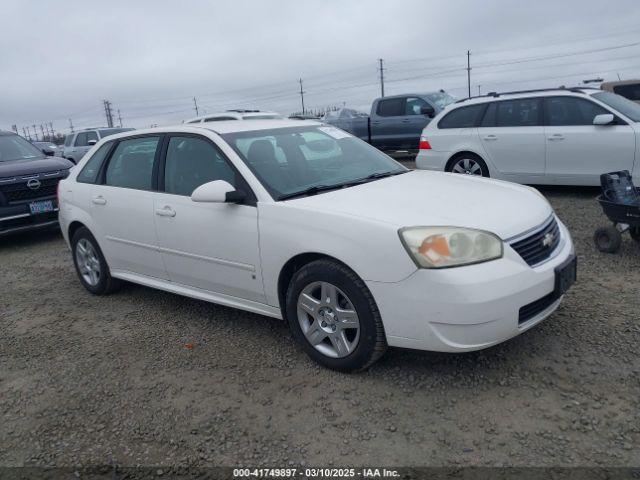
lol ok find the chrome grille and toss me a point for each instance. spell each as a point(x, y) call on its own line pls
point(539, 246)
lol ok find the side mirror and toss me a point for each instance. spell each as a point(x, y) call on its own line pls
point(428, 111)
point(217, 191)
point(48, 153)
point(603, 119)
point(92, 142)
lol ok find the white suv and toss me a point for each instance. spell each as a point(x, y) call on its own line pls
point(557, 136)
point(76, 144)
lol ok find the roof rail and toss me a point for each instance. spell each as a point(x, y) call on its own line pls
point(242, 110)
point(537, 90)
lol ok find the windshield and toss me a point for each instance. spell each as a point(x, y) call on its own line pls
point(440, 99)
point(624, 106)
point(14, 147)
point(292, 160)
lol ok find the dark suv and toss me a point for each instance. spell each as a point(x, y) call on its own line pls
point(28, 185)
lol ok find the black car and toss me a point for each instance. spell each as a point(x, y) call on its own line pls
point(28, 185)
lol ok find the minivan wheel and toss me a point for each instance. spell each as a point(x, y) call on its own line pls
point(333, 315)
point(91, 267)
point(469, 164)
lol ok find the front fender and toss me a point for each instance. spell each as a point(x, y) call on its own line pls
point(371, 249)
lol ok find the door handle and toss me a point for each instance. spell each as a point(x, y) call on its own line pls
point(99, 200)
point(490, 137)
point(406, 120)
point(556, 136)
point(376, 122)
point(167, 211)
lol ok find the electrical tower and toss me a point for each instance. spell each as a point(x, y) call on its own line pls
point(469, 72)
point(119, 118)
point(302, 96)
point(107, 111)
point(71, 125)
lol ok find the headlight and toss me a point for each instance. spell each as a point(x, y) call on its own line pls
point(442, 247)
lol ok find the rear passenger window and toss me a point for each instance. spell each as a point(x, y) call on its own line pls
point(131, 165)
point(394, 107)
point(463, 117)
point(89, 173)
point(564, 111)
point(523, 112)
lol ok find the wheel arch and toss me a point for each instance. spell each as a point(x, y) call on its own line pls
point(462, 153)
point(294, 264)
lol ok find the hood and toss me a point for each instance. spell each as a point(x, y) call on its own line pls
point(34, 165)
point(424, 198)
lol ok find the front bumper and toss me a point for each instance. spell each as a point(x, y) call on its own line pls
point(468, 308)
point(17, 218)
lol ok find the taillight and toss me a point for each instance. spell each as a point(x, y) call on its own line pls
point(424, 144)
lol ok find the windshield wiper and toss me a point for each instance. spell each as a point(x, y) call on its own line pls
point(311, 191)
point(323, 188)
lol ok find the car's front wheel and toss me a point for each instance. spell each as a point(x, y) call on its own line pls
point(91, 267)
point(333, 315)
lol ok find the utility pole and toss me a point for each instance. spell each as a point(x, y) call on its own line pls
point(302, 96)
point(119, 118)
point(35, 132)
point(469, 71)
point(107, 111)
point(195, 105)
point(382, 69)
point(479, 89)
point(53, 133)
point(42, 130)
point(71, 125)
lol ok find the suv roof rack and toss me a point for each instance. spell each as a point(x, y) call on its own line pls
point(536, 90)
point(242, 110)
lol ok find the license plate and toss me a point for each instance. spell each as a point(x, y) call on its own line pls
point(566, 275)
point(41, 207)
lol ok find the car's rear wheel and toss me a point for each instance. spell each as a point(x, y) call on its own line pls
point(333, 315)
point(468, 164)
point(91, 267)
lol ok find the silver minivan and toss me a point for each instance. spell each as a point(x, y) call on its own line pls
point(78, 143)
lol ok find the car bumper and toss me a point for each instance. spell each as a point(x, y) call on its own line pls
point(432, 160)
point(18, 219)
point(469, 308)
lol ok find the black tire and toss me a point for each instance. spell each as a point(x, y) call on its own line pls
point(607, 239)
point(371, 344)
point(106, 283)
point(471, 156)
point(635, 233)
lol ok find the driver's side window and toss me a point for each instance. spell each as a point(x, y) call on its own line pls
point(191, 162)
point(414, 106)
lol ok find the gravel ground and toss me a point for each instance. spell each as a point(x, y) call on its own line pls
point(144, 377)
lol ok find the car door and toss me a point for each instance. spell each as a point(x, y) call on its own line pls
point(512, 135)
point(122, 208)
point(386, 123)
point(578, 151)
point(414, 122)
point(210, 246)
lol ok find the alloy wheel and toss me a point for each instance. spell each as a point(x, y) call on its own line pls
point(88, 262)
point(328, 319)
point(467, 166)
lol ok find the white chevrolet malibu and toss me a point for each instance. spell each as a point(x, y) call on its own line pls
point(302, 221)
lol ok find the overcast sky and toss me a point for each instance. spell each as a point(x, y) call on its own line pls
point(59, 60)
